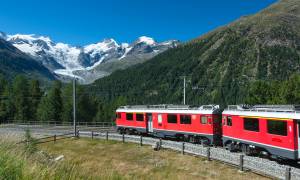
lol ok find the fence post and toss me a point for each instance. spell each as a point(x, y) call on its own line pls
point(92, 134)
point(54, 138)
point(141, 141)
point(182, 150)
point(160, 142)
point(106, 135)
point(77, 134)
point(241, 162)
point(123, 138)
point(208, 153)
point(288, 173)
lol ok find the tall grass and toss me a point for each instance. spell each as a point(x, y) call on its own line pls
point(31, 143)
point(91, 159)
point(25, 161)
point(10, 166)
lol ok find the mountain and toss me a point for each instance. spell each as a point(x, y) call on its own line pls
point(86, 62)
point(138, 52)
point(3, 35)
point(13, 62)
point(219, 66)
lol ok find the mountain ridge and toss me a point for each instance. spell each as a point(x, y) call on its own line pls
point(14, 62)
point(63, 58)
point(220, 64)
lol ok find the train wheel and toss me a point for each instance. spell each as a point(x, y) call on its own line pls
point(205, 142)
point(127, 131)
point(191, 139)
point(246, 149)
point(119, 131)
point(230, 147)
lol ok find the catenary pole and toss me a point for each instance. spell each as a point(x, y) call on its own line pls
point(74, 106)
point(183, 90)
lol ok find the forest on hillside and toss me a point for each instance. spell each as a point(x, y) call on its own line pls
point(24, 100)
point(255, 59)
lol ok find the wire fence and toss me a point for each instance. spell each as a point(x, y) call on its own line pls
point(259, 165)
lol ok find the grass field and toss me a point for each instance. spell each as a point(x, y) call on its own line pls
point(100, 159)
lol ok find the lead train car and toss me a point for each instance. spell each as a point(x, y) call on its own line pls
point(262, 128)
point(195, 124)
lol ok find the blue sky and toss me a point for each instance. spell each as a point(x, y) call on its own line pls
point(80, 22)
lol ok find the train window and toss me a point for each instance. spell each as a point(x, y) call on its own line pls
point(129, 116)
point(229, 121)
point(118, 115)
point(203, 119)
point(172, 118)
point(224, 120)
point(185, 119)
point(139, 117)
point(159, 119)
point(251, 124)
point(277, 127)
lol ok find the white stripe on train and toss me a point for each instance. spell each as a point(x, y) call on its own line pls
point(260, 143)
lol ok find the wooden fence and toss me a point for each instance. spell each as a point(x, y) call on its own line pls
point(46, 139)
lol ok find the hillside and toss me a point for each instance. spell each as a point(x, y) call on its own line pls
point(13, 62)
point(219, 65)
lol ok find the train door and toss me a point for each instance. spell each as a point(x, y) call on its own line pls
point(298, 138)
point(149, 122)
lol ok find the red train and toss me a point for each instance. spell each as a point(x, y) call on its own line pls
point(271, 130)
point(274, 130)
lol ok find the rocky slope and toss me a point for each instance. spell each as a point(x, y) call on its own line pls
point(87, 61)
point(13, 62)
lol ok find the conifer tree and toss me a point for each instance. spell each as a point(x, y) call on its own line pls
point(43, 110)
point(20, 99)
point(100, 112)
point(67, 114)
point(50, 107)
point(35, 94)
point(6, 106)
point(292, 89)
point(87, 107)
point(3, 83)
point(258, 93)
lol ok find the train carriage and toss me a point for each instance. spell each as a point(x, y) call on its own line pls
point(195, 124)
point(273, 130)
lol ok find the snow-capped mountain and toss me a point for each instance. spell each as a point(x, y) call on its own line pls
point(3, 35)
point(64, 59)
point(52, 55)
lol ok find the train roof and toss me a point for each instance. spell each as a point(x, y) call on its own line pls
point(171, 108)
point(269, 111)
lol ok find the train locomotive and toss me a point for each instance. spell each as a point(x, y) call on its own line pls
point(272, 130)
